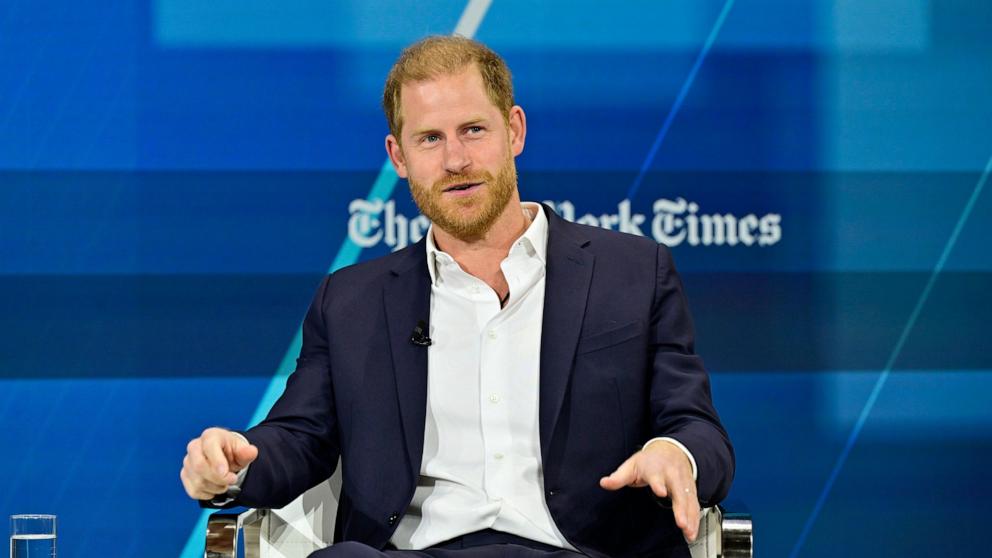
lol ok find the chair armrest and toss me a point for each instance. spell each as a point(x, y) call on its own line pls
point(295, 530)
point(223, 529)
point(737, 537)
point(722, 535)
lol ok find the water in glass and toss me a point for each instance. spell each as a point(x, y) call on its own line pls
point(32, 536)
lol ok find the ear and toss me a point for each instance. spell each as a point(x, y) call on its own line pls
point(395, 153)
point(517, 124)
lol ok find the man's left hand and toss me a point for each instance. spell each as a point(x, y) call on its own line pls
point(666, 469)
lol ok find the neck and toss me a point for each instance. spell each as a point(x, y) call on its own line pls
point(495, 244)
point(482, 257)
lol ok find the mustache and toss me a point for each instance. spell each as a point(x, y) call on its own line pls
point(457, 179)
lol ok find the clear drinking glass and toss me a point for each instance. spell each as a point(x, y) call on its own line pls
point(32, 536)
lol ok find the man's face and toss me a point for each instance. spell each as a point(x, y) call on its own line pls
point(456, 151)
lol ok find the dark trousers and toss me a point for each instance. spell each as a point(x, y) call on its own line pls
point(481, 544)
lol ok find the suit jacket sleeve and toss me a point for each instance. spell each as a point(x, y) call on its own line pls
point(297, 442)
point(681, 403)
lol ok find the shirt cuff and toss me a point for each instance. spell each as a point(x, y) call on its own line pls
point(678, 444)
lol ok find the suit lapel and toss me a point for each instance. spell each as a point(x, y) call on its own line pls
point(406, 298)
point(569, 273)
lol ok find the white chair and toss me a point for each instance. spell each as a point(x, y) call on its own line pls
point(307, 524)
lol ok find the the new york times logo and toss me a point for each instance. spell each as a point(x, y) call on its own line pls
point(675, 222)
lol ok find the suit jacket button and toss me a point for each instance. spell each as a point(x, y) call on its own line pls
point(392, 519)
point(551, 493)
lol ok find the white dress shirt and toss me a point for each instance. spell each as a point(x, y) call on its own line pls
point(481, 467)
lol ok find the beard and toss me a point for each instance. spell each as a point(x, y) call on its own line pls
point(467, 218)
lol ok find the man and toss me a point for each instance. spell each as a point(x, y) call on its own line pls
point(478, 385)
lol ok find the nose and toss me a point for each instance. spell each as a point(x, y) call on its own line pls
point(456, 156)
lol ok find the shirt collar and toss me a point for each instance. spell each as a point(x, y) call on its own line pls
point(534, 240)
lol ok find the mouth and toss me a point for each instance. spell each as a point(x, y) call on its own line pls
point(462, 189)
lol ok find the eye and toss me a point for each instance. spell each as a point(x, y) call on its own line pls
point(431, 138)
point(474, 129)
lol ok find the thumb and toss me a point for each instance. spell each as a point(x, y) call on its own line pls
point(625, 475)
point(244, 455)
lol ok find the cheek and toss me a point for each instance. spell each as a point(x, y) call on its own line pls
point(494, 151)
point(424, 167)
point(424, 180)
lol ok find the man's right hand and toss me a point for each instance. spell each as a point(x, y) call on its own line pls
point(212, 462)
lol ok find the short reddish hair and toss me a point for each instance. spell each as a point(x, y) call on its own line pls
point(440, 55)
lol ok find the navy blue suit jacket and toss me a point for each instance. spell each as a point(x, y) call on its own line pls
point(617, 369)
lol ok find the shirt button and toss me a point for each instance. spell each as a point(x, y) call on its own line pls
point(498, 456)
point(494, 398)
point(492, 334)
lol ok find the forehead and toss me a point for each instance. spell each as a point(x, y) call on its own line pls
point(445, 100)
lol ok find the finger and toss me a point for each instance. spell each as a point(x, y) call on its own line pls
point(211, 488)
point(202, 469)
point(690, 503)
point(187, 470)
point(184, 477)
point(657, 484)
point(195, 460)
point(244, 455)
point(625, 475)
point(191, 488)
point(213, 451)
point(685, 509)
point(677, 492)
point(195, 482)
point(198, 465)
point(694, 514)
